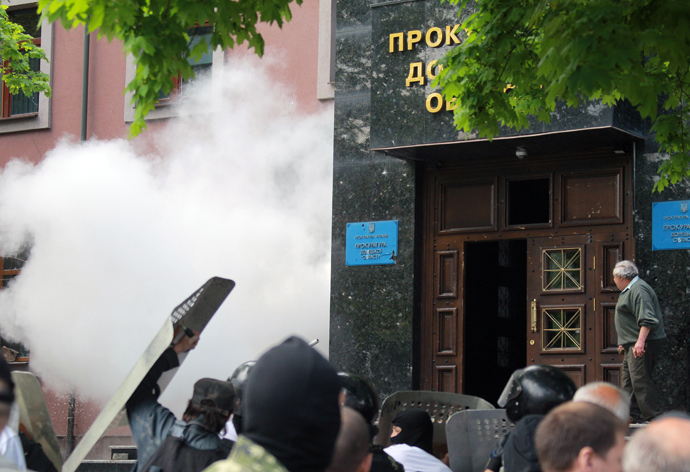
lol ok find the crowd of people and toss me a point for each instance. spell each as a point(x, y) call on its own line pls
point(290, 411)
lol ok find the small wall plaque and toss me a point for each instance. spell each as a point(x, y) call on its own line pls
point(371, 243)
point(670, 225)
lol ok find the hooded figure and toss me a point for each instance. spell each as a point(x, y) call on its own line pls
point(412, 439)
point(291, 413)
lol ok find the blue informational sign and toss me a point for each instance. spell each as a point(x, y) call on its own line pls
point(670, 225)
point(371, 243)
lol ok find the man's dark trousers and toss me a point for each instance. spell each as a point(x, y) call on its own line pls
point(637, 379)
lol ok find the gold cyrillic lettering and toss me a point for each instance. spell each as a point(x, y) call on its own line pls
point(439, 37)
point(430, 69)
point(431, 108)
point(450, 34)
point(451, 104)
point(413, 37)
point(416, 73)
point(391, 42)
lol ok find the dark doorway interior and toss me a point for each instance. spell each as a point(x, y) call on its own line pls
point(495, 315)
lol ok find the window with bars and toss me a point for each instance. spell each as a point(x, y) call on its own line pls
point(562, 269)
point(562, 329)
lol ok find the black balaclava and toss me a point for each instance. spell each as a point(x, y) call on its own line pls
point(290, 406)
point(417, 429)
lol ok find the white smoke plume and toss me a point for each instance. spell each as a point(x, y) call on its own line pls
point(117, 239)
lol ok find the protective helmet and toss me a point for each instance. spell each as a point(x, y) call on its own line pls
point(535, 390)
point(360, 396)
point(239, 378)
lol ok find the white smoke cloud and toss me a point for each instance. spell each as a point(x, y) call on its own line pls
point(118, 239)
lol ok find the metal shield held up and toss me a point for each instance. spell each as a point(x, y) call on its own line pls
point(194, 313)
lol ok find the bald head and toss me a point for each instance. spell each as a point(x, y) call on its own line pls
point(606, 395)
point(662, 446)
point(351, 453)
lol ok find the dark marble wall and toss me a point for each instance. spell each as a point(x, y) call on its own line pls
point(668, 272)
point(371, 306)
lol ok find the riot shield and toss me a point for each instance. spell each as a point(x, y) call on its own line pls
point(33, 415)
point(439, 405)
point(472, 436)
point(192, 314)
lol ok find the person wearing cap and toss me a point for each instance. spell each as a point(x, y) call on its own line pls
point(153, 425)
point(291, 413)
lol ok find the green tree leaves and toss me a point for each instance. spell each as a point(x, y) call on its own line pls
point(154, 32)
point(570, 51)
point(16, 48)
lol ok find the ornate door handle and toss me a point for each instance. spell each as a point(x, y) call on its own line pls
point(534, 315)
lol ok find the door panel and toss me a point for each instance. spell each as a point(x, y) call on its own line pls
point(561, 312)
point(572, 305)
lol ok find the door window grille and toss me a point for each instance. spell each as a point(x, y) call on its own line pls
point(562, 269)
point(562, 329)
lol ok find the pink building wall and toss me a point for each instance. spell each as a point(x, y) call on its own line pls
point(297, 42)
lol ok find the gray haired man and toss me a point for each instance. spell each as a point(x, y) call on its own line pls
point(640, 328)
point(663, 446)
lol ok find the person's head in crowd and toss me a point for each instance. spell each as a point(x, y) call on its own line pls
point(414, 428)
point(605, 394)
point(213, 399)
point(6, 393)
point(351, 452)
point(580, 437)
point(663, 446)
point(238, 379)
point(535, 390)
point(357, 394)
point(290, 406)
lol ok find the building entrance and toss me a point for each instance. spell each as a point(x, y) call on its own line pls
point(517, 270)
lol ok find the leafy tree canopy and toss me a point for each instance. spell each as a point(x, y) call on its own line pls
point(155, 33)
point(16, 48)
point(520, 57)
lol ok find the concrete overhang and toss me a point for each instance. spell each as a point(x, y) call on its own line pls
point(554, 143)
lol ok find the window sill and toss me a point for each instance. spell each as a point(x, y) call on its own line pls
point(24, 116)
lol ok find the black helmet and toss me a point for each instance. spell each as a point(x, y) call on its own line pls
point(238, 380)
point(360, 396)
point(535, 390)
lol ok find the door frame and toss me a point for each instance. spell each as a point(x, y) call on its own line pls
point(495, 176)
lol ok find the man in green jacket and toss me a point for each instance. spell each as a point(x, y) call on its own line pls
point(640, 328)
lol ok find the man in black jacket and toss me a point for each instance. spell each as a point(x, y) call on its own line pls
point(162, 440)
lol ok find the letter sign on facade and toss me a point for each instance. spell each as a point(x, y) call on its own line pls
point(371, 243)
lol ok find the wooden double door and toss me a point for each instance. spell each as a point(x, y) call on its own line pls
point(503, 288)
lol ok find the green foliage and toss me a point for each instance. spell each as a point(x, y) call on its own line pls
point(16, 48)
point(570, 51)
point(154, 32)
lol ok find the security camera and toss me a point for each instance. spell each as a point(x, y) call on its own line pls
point(521, 153)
